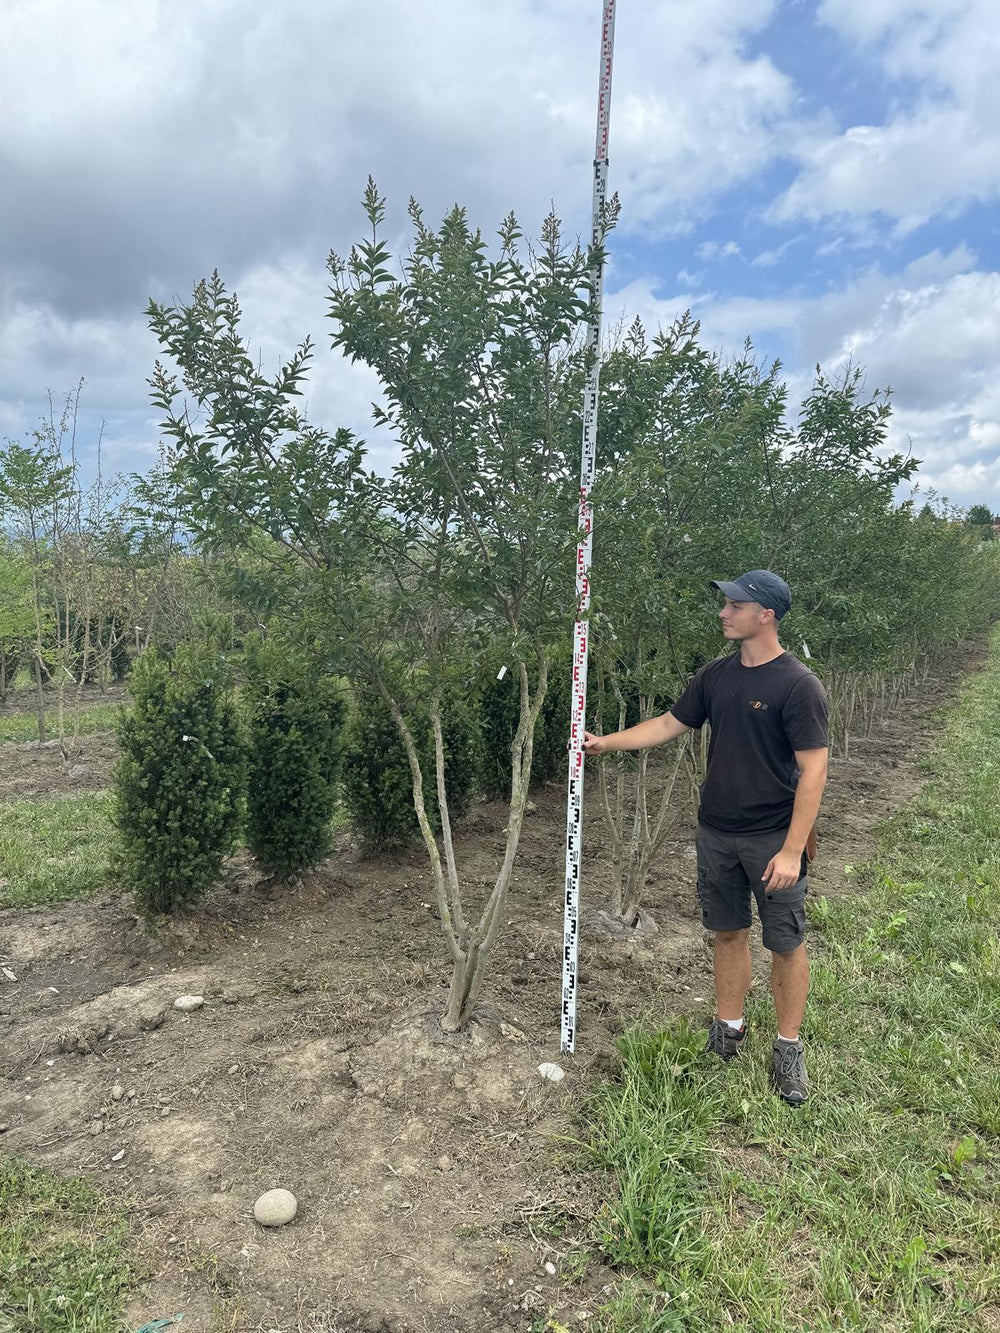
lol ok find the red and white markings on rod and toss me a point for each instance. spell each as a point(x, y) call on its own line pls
point(578, 713)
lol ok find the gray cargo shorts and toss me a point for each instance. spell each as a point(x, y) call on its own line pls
point(730, 866)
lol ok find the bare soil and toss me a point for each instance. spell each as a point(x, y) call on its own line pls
point(33, 770)
point(429, 1169)
point(30, 770)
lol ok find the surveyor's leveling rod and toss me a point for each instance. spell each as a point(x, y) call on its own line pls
point(574, 804)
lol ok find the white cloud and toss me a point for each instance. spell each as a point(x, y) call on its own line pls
point(931, 332)
point(935, 160)
point(967, 483)
point(715, 250)
point(769, 258)
point(185, 133)
point(940, 148)
point(908, 22)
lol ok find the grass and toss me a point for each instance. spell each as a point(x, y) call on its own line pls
point(876, 1205)
point(23, 726)
point(55, 849)
point(64, 1257)
point(66, 847)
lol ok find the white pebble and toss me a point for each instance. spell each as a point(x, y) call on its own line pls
point(551, 1073)
point(188, 1003)
point(275, 1207)
point(550, 1268)
point(119, 1155)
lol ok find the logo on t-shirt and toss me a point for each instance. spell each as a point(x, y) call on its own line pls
point(757, 705)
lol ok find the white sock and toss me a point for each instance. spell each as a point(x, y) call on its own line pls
point(792, 1041)
point(735, 1023)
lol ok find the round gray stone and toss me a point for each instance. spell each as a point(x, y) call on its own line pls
point(275, 1207)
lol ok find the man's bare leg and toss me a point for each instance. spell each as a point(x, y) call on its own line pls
point(790, 987)
point(732, 972)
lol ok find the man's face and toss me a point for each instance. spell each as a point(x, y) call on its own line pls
point(742, 620)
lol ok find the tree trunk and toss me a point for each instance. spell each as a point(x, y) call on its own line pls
point(470, 946)
point(462, 991)
point(41, 701)
point(630, 910)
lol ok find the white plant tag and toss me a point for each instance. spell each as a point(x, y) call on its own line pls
point(805, 649)
point(501, 673)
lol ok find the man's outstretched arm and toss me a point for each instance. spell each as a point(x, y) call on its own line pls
point(640, 737)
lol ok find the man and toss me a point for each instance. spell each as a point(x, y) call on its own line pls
point(762, 792)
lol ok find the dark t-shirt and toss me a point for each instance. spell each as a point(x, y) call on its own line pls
point(759, 717)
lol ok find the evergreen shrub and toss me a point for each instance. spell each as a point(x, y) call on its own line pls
point(550, 758)
point(499, 708)
point(377, 784)
point(180, 781)
point(296, 722)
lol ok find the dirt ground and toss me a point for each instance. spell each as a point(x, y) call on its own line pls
point(30, 770)
point(36, 771)
point(428, 1169)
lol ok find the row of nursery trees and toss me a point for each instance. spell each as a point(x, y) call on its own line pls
point(415, 589)
point(90, 575)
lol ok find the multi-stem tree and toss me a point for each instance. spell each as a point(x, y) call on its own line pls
point(469, 543)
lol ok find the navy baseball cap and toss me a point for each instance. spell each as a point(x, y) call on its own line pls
point(760, 585)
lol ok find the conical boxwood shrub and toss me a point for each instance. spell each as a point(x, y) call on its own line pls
point(296, 722)
point(499, 708)
point(377, 784)
point(179, 784)
point(550, 760)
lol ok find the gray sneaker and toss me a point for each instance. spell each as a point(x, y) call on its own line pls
point(723, 1041)
point(790, 1077)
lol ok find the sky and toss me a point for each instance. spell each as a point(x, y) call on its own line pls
point(821, 176)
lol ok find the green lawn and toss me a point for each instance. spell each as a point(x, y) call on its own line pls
point(55, 849)
point(23, 726)
point(876, 1206)
point(64, 1260)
